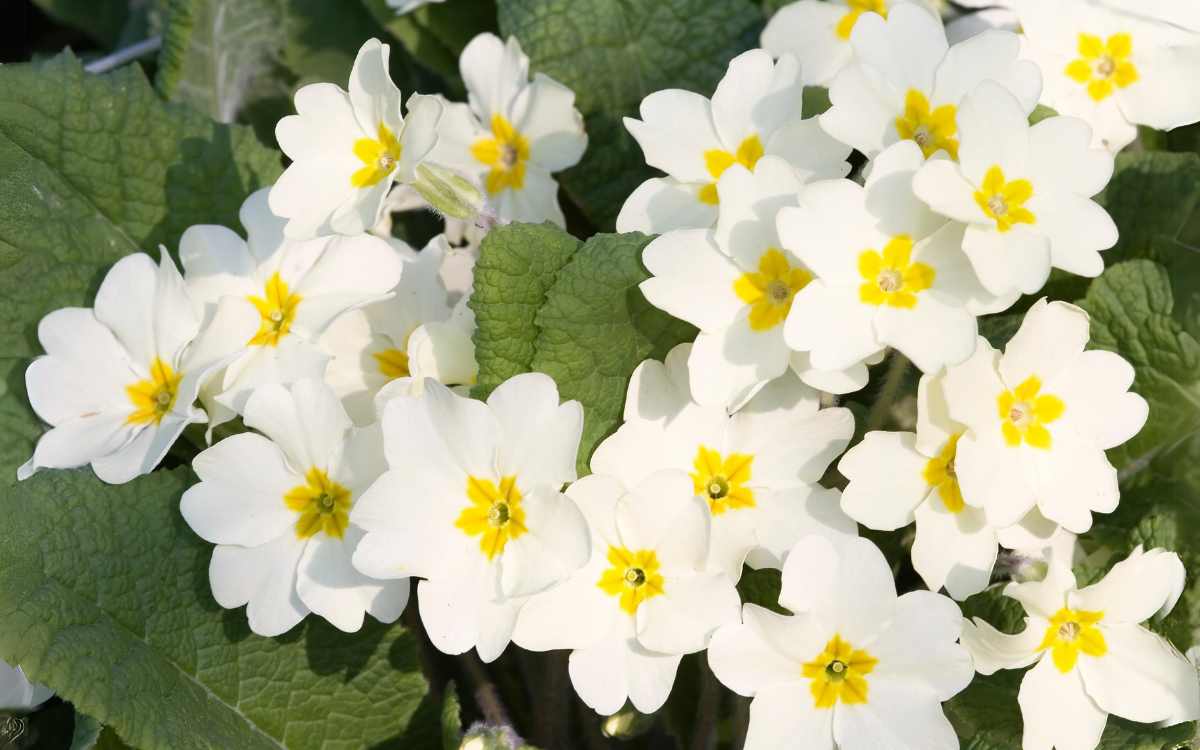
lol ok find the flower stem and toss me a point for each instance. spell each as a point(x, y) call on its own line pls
point(885, 399)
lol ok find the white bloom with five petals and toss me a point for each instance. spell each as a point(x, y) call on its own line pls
point(298, 287)
point(906, 82)
point(1113, 69)
point(470, 503)
point(119, 380)
point(644, 599)
point(1024, 192)
point(888, 272)
point(277, 505)
point(514, 133)
point(1093, 657)
point(736, 284)
point(855, 666)
point(754, 112)
point(756, 470)
point(348, 148)
point(1039, 418)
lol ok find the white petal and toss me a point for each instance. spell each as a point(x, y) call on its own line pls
point(1078, 230)
point(675, 130)
point(659, 390)
point(782, 717)
point(886, 480)
point(346, 272)
point(79, 441)
point(790, 443)
point(764, 650)
point(788, 515)
point(1143, 585)
point(891, 200)
point(540, 437)
point(330, 586)
point(897, 714)
point(1005, 261)
point(419, 136)
point(663, 515)
point(848, 586)
point(727, 364)
point(239, 499)
point(1161, 98)
point(904, 50)
point(992, 650)
point(832, 324)
point(1141, 677)
point(374, 96)
point(556, 545)
point(995, 133)
point(1056, 711)
point(663, 204)
point(955, 550)
point(971, 388)
point(935, 333)
point(1061, 157)
point(934, 424)
point(992, 56)
point(1098, 399)
point(264, 578)
point(921, 646)
point(829, 229)
point(688, 611)
point(85, 372)
point(996, 477)
point(615, 669)
point(861, 114)
point(756, 96)
point(942, 186)
point(806, 30)
point(440, 429)
point(573, 614)
point(551, 123)
point(306, 421)
point(1074, 479)
point(811, 152)
point(693, 280)
point(494, 72)
point(1044, 598)
point(143, 453)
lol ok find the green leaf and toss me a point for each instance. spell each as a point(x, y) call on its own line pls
point(221, 56)
point(86, 733)
point(435, 34)
point(596, 327)
point(93, 168)
point(104, 597)
point(452, 729)
point(516, 267)
point(612, 54)
point(102, 20)
point(1131, 306)
point(1152, 197)
point(761, 587)
point(324, 37)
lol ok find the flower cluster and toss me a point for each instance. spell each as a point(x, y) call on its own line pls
point(365, 462)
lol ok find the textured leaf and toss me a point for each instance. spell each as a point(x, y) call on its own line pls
point(1152, 196)
point(761, 587)
point(323, 38)
point(612, 54)
point(1131, 306)
point(93, 168)
point(516, 267)
point(452, 729)
point(219, 56)
point(86, 732)
point(435, 34)
point(596, 327)
point(104, 597)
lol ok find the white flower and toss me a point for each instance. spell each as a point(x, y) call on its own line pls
point(1024, 193)
point(888, 272)
point(514, 133)
point(818, 33)
point(471, 503)
point(756, 471)
point(1093, 658)
point(897, 478)
point(644, 598)
point(968, 25)
point(1112, 69)
point(278, 509)
point(906, 82)
point(17, 693)
point(118, 381)
point(1039, 418)
point(736, 284)
point(855, 666)
point(298, 287)
point(348, 148)
point(415, 334)
point(755, 111)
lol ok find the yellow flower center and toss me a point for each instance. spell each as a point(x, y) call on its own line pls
point(770, 290)
point(506, 153)
point(716, 160)
point(633, 577)
point(933, 129)
point(1104, 66)
point(1071, 631)
point(723, 480)
point(1003, 201)
point(839, 674)
point(379, 157)
point(1025, 411)
point(495, 514)
point(939, 473)
point(892, 278)
point(323, 505)
point(153, 397)
point(393, 363)
point(277, 307)
point(857, 7)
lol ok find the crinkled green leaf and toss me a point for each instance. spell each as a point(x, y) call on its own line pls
point(104, 597)
point(323, 38)
point(596, 327)
point(221, 56)
point(86, 732)
point(435, 34)
point(452, 728)
point(517, 266)
point(1152, 196)
point(761, 587)
point(612, 54)
point(93, 168)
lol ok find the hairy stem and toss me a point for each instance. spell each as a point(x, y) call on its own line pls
point(885, 399)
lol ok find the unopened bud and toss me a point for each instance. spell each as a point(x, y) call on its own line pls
point(449, 193)
point(626, 724)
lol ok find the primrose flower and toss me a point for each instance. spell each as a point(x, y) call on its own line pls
point(1039, 418)
point(819, 33)
point(756, 471)
point(1115, 70)
point(887, 272)
point(644, 599)
point(277, 505)
point(514, 133)
point(736, 284)
point(1024, 193)
point(1093, 658)
point(471, 503)
point(906, 83)
point(348, 148)
point(413, 335)
point(118, 381)
point(855, 666)
point(298, 287)
point(17, 693)
point(897, 478)
point(754, 112)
